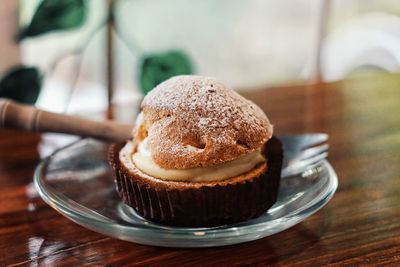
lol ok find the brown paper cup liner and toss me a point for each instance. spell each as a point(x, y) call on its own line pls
point(200, 206)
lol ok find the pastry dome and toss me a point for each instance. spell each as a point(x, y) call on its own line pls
point(193, 121)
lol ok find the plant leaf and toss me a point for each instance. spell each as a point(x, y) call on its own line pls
point(21, 84)
point(54, 15)
point(156, 68)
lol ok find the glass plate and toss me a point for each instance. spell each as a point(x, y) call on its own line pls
point(77, 182)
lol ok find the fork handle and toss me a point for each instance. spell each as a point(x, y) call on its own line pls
point(31, 119)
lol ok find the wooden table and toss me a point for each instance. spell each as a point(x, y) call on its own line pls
point(360, 225)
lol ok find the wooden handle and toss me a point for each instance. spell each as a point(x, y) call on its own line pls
point(29, 118)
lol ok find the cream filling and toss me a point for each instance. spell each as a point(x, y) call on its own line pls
point(144, 162)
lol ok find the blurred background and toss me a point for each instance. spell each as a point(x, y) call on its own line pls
point(80, 56)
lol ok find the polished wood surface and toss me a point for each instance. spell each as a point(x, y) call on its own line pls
point(359, 226)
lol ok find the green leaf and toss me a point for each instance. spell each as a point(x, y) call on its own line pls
point(156, 68)
point(21, 84)
point(54, 15)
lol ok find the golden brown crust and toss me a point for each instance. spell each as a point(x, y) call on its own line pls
point(195, 121)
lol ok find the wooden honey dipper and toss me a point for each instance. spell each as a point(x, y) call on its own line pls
point(31, 119)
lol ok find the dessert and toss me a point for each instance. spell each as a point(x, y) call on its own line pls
point(201, 155)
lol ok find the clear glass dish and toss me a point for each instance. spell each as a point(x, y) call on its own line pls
point(77, 182)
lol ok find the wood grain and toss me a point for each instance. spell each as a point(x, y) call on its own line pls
point(359, 226)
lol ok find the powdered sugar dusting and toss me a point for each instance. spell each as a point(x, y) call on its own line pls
point(197, 121)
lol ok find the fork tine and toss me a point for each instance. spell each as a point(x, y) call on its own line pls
point(301, 141)
point(311, 152)
point(314, 139)
point(299, 166)
point(309, 161)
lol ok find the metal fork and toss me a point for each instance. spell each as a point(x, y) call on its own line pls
point(303, 151)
